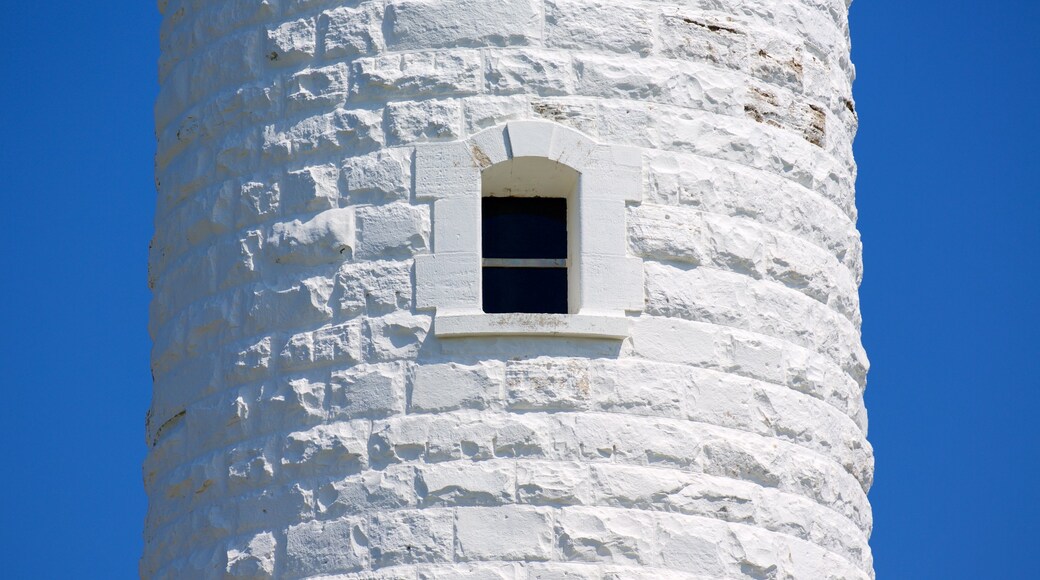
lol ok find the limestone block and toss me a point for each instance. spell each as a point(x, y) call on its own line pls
point(257, 201)
point(548, 385)
point(350, 31)
point(467, 484)
point(337, 447)
point(339, 343)
point(421, 121)
point(538, 71)
point(411, 75)
point(288, 401)
point(683, 547)
point(715, 37)
point(485, 112)
point(373, 287)
point(326, 238)
point(443, 23)
point(310, 190)
point(467, 571)
point(250, 466)
point(252, 558)
point(358, 129)
point(315, 87)
point(292, 42)
point(251, 362)
point(287, 503)
point(447, 387)
point(619, 27)
point(505, 533)
point(380, 177)
point(552, 483)
point(364, 391)
point(316, 548)
point(396, 336)
point(396, 230)
point(665, 81)
point(599, 535)
point(388, 489)
point(409, 537)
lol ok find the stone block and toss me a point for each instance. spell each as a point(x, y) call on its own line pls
point(377, 178)
point(340, 343)
point(504, 533)
point(450, 23)
point(292, 42)
point(316, 87)
point(366, 391)
point(411, 537)
point(553, 483)
point(310, 190)
point(341, 447)
point(468, 483)
point(396, 230)
point(251, 558)
point(352, 31)
point(374, 287)
point(618, 27)
point(529, 71)
point(608, 536)
point(317, 548)
point(412, 75)
point(548, 385)
point(447, 387)
point(422, 121)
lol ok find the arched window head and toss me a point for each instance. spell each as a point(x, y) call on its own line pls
point(529, 233)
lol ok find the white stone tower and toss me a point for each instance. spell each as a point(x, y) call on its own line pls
point(506, 289)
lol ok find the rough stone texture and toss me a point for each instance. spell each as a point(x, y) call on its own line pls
point(307, 421)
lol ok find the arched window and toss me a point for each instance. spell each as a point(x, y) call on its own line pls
point(529, 233)
point(528, 209)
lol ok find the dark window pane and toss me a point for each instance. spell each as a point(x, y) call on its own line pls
point(525, 227)
point(532, 290)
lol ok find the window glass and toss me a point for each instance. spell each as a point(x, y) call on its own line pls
point(525, 254)
point(524, 227)
point(531, 290)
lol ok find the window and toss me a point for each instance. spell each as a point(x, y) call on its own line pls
point(524, 254)
point(529, 233)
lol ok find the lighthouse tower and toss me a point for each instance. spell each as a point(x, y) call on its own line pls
point(506, 289)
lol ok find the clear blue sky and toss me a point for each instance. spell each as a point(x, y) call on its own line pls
point(950, 214)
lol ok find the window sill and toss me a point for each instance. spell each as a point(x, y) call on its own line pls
point(563, 325)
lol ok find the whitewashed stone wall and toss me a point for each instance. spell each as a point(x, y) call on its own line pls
point(306, 421)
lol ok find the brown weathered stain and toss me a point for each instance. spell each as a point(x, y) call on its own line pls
point(710, 26)
point(796, 66)
point(754, 113)
point(817, 129)
point(765, 96)
point(205, 485)
point(482, 160)
point(548, 111)
point(169, 424)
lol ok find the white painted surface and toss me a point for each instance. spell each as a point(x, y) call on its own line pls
point(316, 171)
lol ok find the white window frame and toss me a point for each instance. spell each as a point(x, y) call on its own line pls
point(609, 282)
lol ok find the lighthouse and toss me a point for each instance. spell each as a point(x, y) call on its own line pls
point(506, 289)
